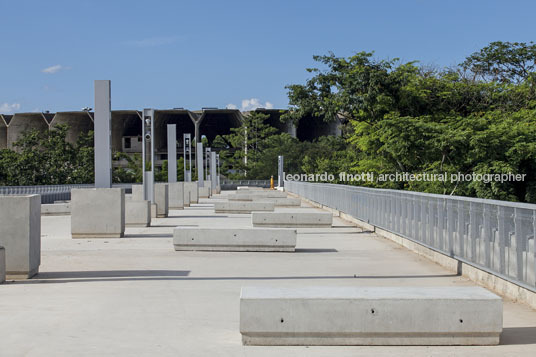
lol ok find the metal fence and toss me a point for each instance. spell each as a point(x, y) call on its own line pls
point(495, 236)
point(51, 193)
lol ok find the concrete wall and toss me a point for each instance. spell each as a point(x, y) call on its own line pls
point(125, 123)
point(214, 122)
point(23, 122)
point(79, 123)
point(185, 123)
point(3, 133)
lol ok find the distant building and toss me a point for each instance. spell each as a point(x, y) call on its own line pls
point(127, 126)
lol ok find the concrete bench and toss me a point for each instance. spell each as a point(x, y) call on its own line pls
point(2, 265)
point(242, 207)
point(292, 219)
point(235, 239)
point(255, 195)
point(137, 213)
point(282, 202)
point(370, 316)
point(249, 188)
point(55, 209)
point(20, 234)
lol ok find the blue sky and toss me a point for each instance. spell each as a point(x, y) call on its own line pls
point(193, 54)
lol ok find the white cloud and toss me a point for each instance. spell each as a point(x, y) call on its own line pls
point(153, 41)
point(251, 104)
point(54, 69)
point(8, 108)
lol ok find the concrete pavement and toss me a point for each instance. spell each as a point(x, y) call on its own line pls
point(136, 296)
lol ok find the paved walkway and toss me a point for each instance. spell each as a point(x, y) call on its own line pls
point(136, 296)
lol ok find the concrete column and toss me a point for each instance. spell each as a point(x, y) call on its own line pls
point(213, 174)
point(200, 167)
point(207, 160)
point(172, 152)
point(280, 171)
point(148, 154)
point(103, 138)
point(187, 151)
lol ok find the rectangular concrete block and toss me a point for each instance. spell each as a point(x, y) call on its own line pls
point(208, 184)
point(56, 209)
point(97, 212)
point(191, 187)
point(204, 192)
point(235, 239)
point(153, 210)
point(292, 219)
point(20, 234)
point(137, 213)
point(176, 195)
point(137, 192)
point(161, 198)
point(282, 202)
point(242, 207)
point(186, 199)
point(2, 265)
point(255, 195)
point(249, 188)
point(370, 316)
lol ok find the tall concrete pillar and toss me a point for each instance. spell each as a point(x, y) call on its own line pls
point(213, 173)
point(103, 139)
point(187, 147)
point(148, 154)
point(172, 152)
point(280, 171)
point(199, 160)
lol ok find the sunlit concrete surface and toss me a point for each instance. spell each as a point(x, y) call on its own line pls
point(136, 296)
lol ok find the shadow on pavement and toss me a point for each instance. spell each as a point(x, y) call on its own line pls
point(518, 336)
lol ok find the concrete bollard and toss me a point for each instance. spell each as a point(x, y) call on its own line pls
point(186, 199)
point(191, 187)
point(161, 198)
point(331, 315)
point(176, 195)
point(204, 192)
point(292, 219)
point(56, 209)
point(98, 212)
point(235, 239)
point(2, 265)
point(20, 235)
point(137, 192)
point(137, 213)
point(242, 207)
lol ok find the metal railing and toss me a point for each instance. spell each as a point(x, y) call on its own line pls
point(495, 236)
point(51, 193)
